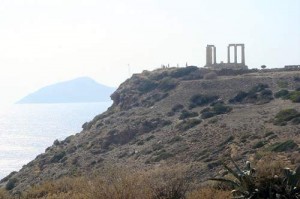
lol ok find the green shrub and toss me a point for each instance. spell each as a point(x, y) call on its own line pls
point(214, 164)
point(187, 124)
point(186, 114)
point(239, 97)
point(282, 84)
point(175, 139)
point(167, 84)
point(285, 115)
point(5, 179)
point(200, 100)
point(282, 94)
point(157, 147)
point(11, 184)
point(56, 142)
point(207, 109)
point(162, 155)
point(207, 114)
point(146, 85)
point(177, 107)
point(296, 120)
point(58, 156)
point(258, 94)
point(258, 144)
point(217, 109)
point(150, 137)
point(273, 137)
point(152, 99)
point(170, 114)
point(258, 88)
point(266, 93)
point(158, 76)
point(180, 72)
point(221, 109)
point(295, 96)
point(297, 78)
point(265, 96)
point(283, 146)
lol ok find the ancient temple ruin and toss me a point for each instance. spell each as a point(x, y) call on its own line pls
point(211, 57)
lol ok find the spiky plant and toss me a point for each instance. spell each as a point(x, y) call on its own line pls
point(291, 181)
point(243, 184)
point(247, 185)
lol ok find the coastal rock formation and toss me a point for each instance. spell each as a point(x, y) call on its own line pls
point(176, 116)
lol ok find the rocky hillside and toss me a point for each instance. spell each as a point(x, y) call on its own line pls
point(185, 116)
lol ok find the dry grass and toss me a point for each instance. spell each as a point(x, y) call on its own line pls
point(168, 182)
point(159, 183)
point(116, 183)
point(76, 188)
point(270, 165)
point(4, 194)
point(209, 193)
point(120, 184)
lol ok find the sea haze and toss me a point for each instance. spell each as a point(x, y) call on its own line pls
point(26, 130)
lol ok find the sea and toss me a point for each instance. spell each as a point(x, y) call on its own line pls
point(26, 130)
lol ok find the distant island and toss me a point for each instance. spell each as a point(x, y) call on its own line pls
point(83, 89)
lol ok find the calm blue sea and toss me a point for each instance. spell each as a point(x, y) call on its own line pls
point(26, 130)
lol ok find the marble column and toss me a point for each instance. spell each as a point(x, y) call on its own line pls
point(215, 55)
point(243, 54)
point(235, 54)
point(228, 54)
point(208, 55)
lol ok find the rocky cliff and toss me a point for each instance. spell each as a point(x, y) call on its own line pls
point(187, 116)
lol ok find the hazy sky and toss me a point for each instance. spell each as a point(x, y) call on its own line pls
point(46, 41)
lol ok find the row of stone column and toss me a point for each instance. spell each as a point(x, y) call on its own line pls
point(211, 54)
point(211, 57)
point(235, 46)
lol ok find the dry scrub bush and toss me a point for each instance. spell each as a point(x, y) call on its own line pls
point(114, 183)
point(4, 194)
point(168, 183)
point(271, 165)
point(65, 188)
point(209, 193)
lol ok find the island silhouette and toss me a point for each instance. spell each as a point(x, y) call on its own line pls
point(82, 89)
